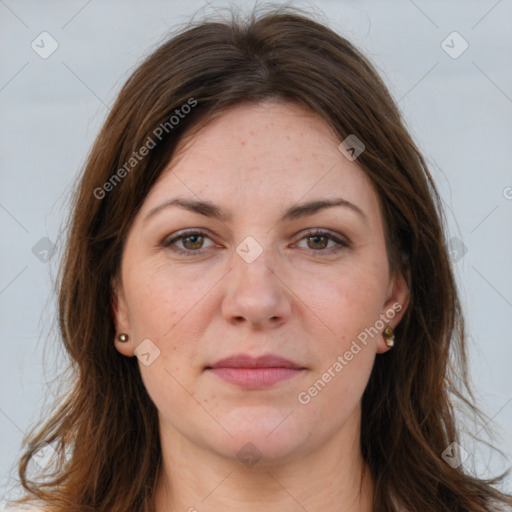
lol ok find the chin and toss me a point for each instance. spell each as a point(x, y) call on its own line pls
point(263, 435)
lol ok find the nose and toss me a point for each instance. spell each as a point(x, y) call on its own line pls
point(256, 294)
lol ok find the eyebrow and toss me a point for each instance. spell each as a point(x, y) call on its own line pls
point(208, 209)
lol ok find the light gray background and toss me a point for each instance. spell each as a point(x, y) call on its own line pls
point(458, 110)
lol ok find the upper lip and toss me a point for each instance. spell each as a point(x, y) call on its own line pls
point(246, 361)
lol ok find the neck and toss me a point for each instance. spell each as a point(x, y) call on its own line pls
point(332, 478)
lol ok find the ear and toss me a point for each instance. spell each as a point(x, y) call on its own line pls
point(397, 300)
point(120, 317)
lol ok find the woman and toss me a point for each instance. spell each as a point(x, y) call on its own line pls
point(256, 293)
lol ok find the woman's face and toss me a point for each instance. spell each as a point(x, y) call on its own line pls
point(257, 265)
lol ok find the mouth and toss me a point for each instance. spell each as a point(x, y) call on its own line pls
point(255, 373)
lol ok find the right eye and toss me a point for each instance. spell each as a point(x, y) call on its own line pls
point(192, 242)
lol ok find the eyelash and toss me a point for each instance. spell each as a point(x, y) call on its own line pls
point(311, 234)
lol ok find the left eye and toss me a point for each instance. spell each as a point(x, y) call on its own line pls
point(318, 241)
point(193, 242)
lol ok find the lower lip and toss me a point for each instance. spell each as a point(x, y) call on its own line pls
point(255, 378)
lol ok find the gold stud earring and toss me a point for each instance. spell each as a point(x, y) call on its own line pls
point(389, 336)
point(123, 338)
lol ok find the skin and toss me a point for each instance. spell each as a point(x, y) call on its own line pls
point(298, 299)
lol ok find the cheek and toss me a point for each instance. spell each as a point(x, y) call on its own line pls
point(333, 392)
point(159, 298)
point(169, 308)
point(345, 300)
point(343, 308)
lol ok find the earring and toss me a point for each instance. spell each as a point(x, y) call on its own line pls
point(123, 337)
point(389, 336)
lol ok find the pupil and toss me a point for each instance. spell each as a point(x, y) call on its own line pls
point(316, 240)
point(194, 239)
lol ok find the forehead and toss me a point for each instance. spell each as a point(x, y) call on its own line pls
point(267, 154)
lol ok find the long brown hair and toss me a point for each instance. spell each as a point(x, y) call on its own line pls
point(104, 430)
